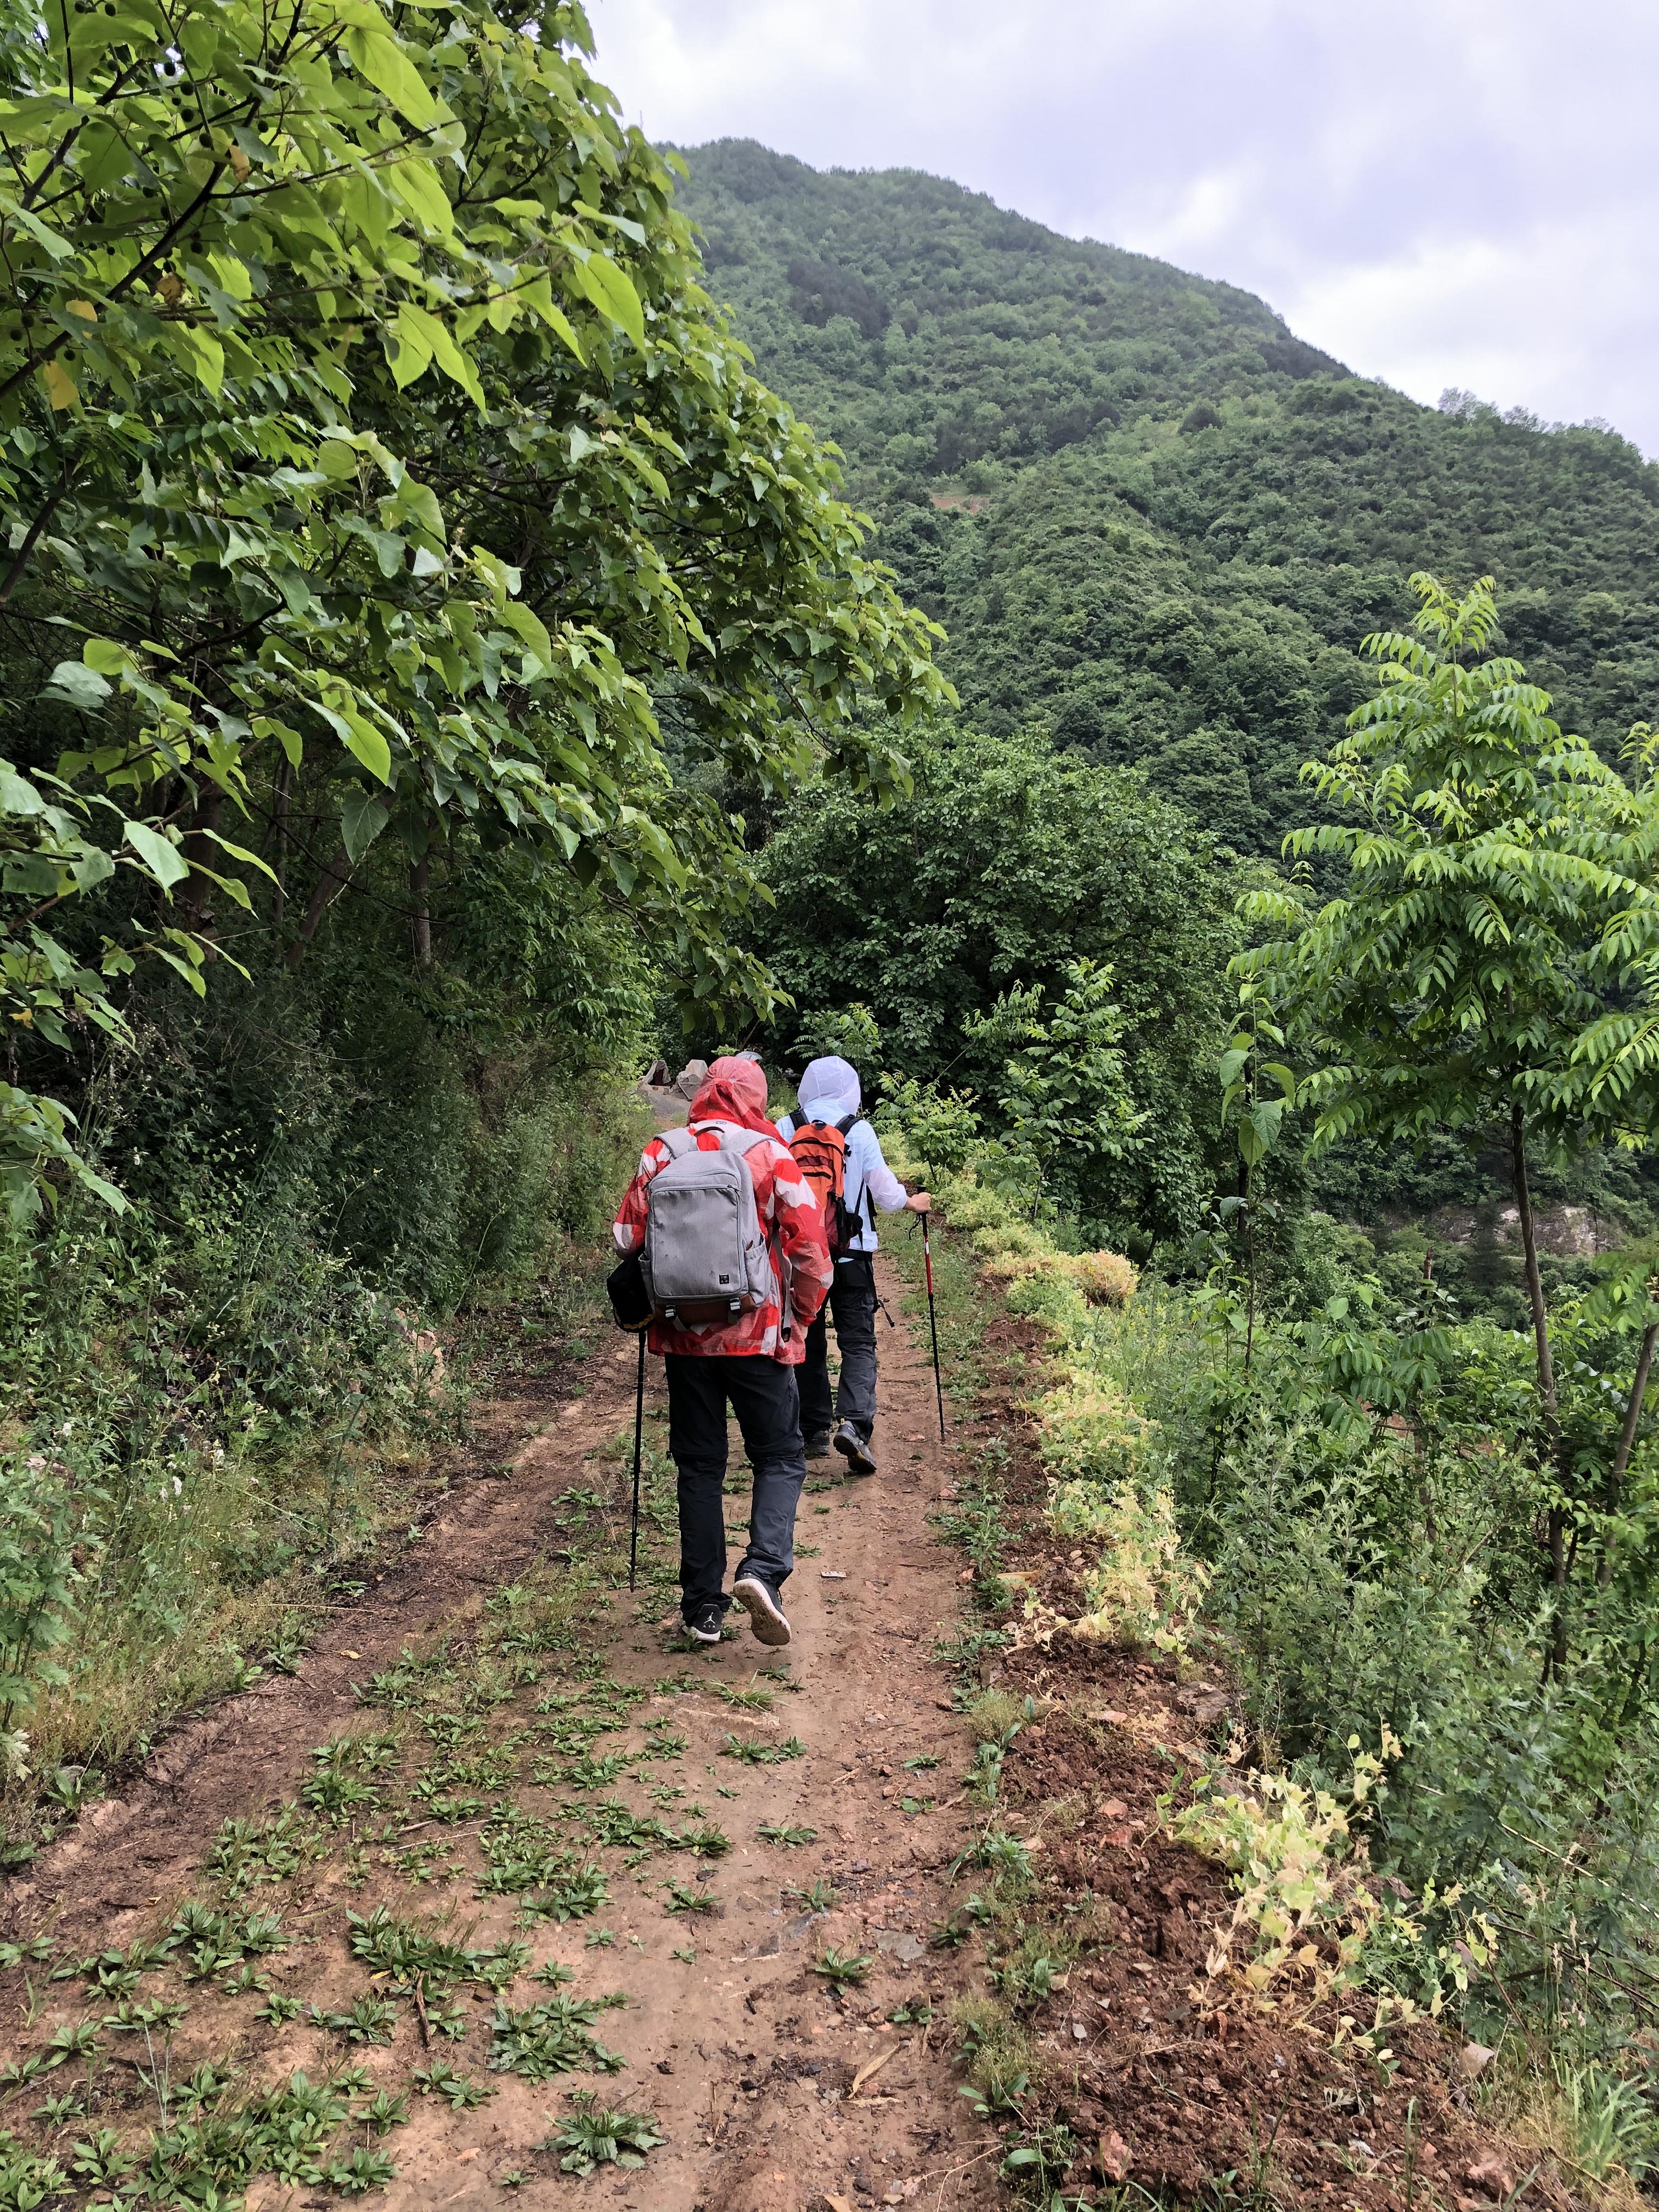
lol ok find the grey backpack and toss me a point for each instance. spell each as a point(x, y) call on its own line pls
point(705, 1256)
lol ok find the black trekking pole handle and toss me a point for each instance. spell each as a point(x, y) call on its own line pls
point(639, 1440)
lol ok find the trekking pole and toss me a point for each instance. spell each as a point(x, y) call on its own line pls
point(639, 1439)
point(932, 1322)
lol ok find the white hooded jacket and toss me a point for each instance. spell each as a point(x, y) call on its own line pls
point(829, 1091)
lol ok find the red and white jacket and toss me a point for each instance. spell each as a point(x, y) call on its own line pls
point(792, 1217)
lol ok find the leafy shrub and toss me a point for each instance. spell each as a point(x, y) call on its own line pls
point(1304, 1903)
point(1146, 1589)
point(1091, 1437)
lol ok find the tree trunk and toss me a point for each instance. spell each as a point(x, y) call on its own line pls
point(1558, 1520)
point(279, 807)
point(336, 874)
point(419, 912)
point(195, 893)
point(1638, 1391)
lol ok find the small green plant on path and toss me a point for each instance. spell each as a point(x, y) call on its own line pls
point(554, 2037)
point(754, 1754)
point(750, 1701)
point(592, 2137)
point(682, 1899)
point(706, 1842)
point(842, 1969)
point(460, 2093)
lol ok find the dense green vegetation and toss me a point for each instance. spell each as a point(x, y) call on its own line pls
point(1427, 1540)
point(1416, 1467)
point(1183, 520)
point(1006, 865)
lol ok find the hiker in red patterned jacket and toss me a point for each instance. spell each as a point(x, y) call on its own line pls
point(747, 1360)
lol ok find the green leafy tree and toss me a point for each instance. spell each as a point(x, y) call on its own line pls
point(939, 1126)
point(1257, 1090)
point(1062, 1089)
point(1490, 967)
point(1003, 865)
point(382, 491)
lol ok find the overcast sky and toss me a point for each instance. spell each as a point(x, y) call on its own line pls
point(1438, 196)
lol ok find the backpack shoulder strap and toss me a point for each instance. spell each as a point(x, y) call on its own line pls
point(731, 1138)
point(677, 1143)
point(740, 1141)
point(846, 1122)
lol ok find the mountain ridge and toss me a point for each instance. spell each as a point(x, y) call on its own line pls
point(1155, 522)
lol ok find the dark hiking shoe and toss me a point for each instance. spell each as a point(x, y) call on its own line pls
point(817, 1444)
point(859, 1458)
point(766, 1615)
point(705, 1624)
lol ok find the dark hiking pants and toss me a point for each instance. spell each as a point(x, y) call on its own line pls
point(761, 1392)
point(852, 1306)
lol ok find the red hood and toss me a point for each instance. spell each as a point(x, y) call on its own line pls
point(734, 1091)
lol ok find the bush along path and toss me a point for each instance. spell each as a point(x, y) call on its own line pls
point(1189, 1987)
point(506, 1891)
point(505, 1884)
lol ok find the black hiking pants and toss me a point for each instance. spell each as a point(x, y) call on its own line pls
point(761, 1392)
point(851, 1305)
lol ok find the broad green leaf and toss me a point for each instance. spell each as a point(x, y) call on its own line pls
point(77, 685)
point(417, 184)
point(204, 354)
point(411, 351)
point(379, 57)
point(609, 289)
point(159, 855)
point(362, 818)
point(538, 295)
point(17, 795)
point(94, 867)
point(96, 1183)
point(231, 275)
point(59, 248)
point(441, 348)
point(62, 389)
point(531, 628)
point(361, 740)
point(420, 501)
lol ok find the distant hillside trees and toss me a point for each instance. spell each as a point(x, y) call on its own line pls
point(1185, 515)
point(1003, 869)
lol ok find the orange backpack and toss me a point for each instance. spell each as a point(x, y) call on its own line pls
point(820, 1153)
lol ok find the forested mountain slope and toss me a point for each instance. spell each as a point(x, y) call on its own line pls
point(1167, 521)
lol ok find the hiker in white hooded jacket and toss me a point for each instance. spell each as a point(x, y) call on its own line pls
point(830, 1091)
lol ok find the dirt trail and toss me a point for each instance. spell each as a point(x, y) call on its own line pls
point(245, 1752)
point(768, 2089)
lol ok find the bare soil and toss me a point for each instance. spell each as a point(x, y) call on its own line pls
point(769, 2089)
